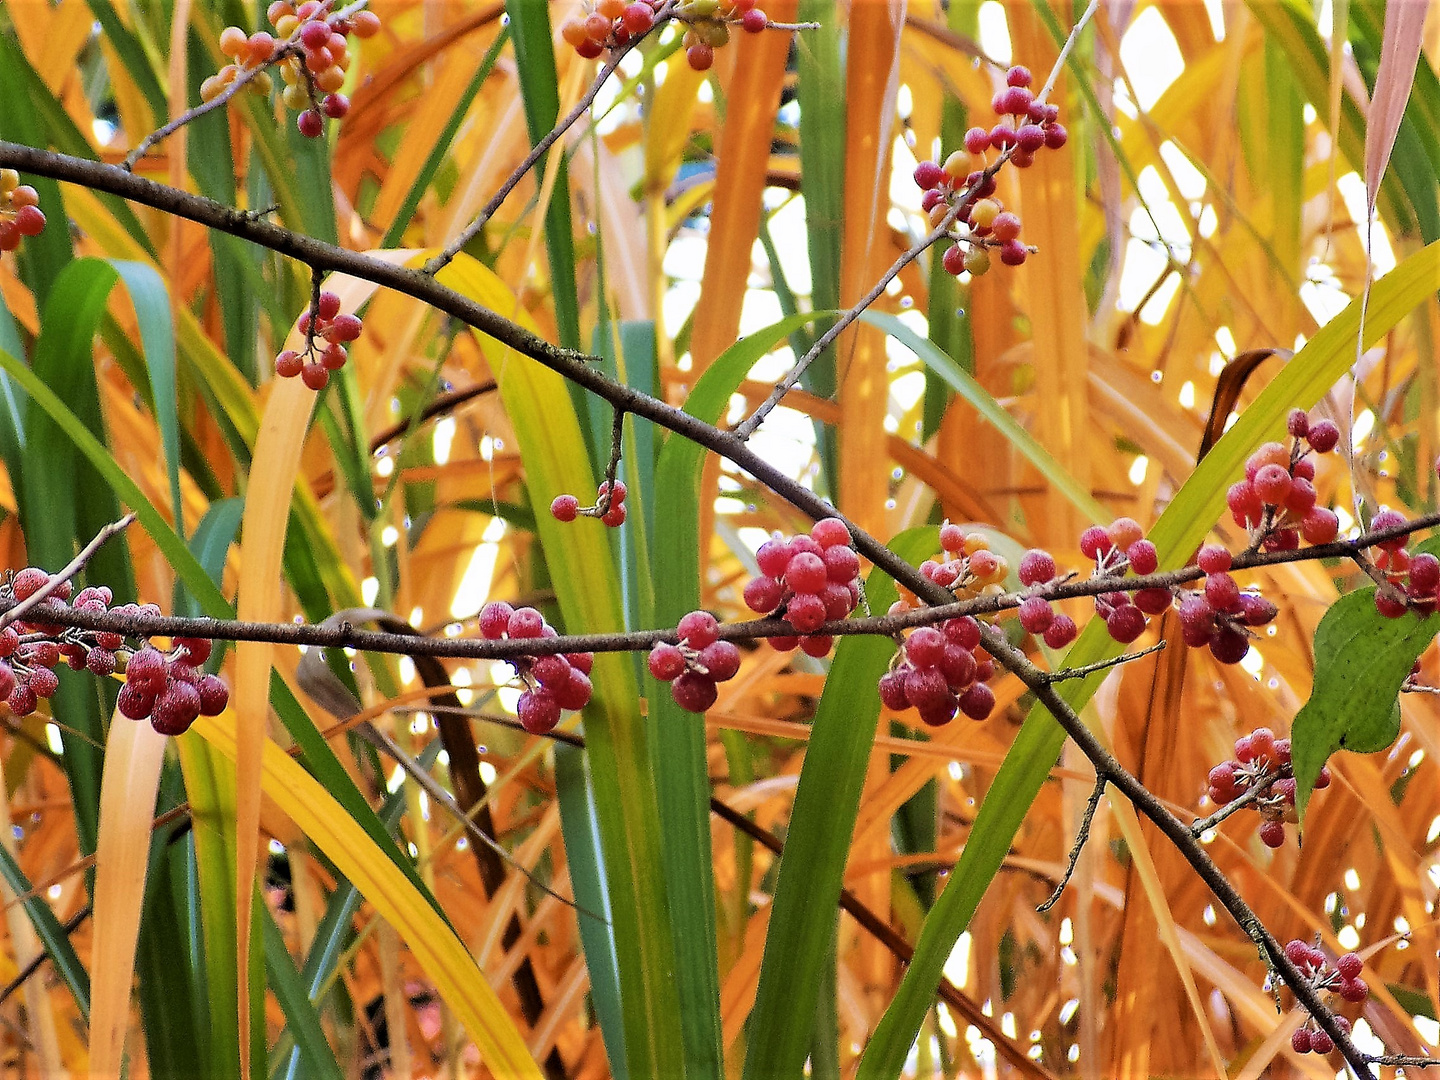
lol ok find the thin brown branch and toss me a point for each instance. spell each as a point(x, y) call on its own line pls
point(73, 567)
point(1081, 835)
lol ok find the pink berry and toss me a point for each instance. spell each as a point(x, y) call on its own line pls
point(754, 21)
point(928, 175)
point(1061, 632)
point(1272, 833)
point(964, 631)
point(1323, 436)
point(1297, 423)
point(828, 532)
point(214, 695)
point(1036, 567)
point(1222, 783)
point(1056, 136)
point(700, 57)
point(842, 565)
point(773, 557)
point(1144, 559)
point(694, 692)
point(565, 508)
point(1320, 525)
point(1018, 76)
point(638, 18)
point(698, 629)
point(892, 691)
point(1126, 624)
point(575, 693)
point(1036, 614)
point(1272, 484)
point(806, 573)
point(978, 701)
point(805, 612)
point(1229, 646)
point(721, 659)
point(525, 622)
point(925, 646)
point(538, 711)
point(310, 124)
point(1300, 1040)
point(494, 620)
point(336, 106)
point(1321, 1043)
point(763, 594)
point(1221, 591)
point(1349, 966)
point(977, 140)
point(1094, 542)
point(1153, 601)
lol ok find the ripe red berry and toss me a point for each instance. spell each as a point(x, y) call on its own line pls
point(288, 364)
point(925, 646)
point(314, 376)
point(1389, 604)
point(828, 532)
point(1272, 833)
point(494, 619)
point(698, 629)
point(1094, 542)
point(958, 665)
point(1061, 632)
point(1126, 623)
point(336, 106)
point(538, 711)
point(1144, 559)
point(565, 507)
point(175, 709)
point(1055, 136)
point(615, 516)
point(310, 124)
point(1323, 436)
point(1302, 496)
point(1036, 567)
point(1001, 136)
point(29, 220)
point(1272, 484)
point(343, 328)
point(977, 140)
point(1349, 966)
point(928, 175)
point(1388, 519)
point(806, 573)
point(525, 622)
point(892, 690)
point(1321, 1043)
point(1152, 601)
point(953, 260)
point(638, 18)
point(1017, 76)
point(1229, 646)
point(1300, 1040)
point(1221, 591)
point(1297, 423)
point(1222, 783)
point(9, 236)
point(978, 701)
point(214, 695)
point(1319, 525)
point(722, 660)
point(1029, 138)
point(1036, 614)
point(773, 556)
point(805, 612)
point(700, 57)
point(1245, 503)
point(694, 692)
point(575, 692)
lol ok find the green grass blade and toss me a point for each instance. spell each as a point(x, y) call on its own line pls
point(301, 1018)
point(152, 313)
point(817, 841)
point(442, 145)
point(52, 935)
point(676, 737)
point(967, 387)
point(1176, 535)
point(540, 88)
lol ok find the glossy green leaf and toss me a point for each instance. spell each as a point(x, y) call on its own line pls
point(817, 842)
point(1179, 531)
point(1361, 660)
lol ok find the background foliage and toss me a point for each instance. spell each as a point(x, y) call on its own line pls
point(1205, 207)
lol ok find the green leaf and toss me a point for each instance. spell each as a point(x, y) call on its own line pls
point(52, 935)
point(817, 842)
point(1361, 660)
point(301, 1017)
point(676, 737)
point(1179, 531)
point(967, 387)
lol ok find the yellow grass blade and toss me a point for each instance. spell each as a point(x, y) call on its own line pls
point(133, 756)
point(433, 944)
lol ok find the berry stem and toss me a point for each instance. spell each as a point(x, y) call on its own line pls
point(73, 567)
point(1065, 51)
point(1100, 665)
point(1081, 835)
point(564, 124)
point(1252, 794)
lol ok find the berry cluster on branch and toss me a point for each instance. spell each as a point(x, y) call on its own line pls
point(610, 25)
point(323, 320)
point(697, 663)
point(1261, 776)
point(807, 581)
point(609, 508)
point(167, 687)
point(1342, 978)
point(20, 213)
point(552, 682)
point(964, 186)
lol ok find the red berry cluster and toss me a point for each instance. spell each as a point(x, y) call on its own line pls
point(315, 364)
point(170, 688)
point(1414, 579)
point(944, 671)
point(319, 64)
point(613, 24)
point(167, 687)
point(697, 663)
point(807, 581)
point(1037, 616)
point(1276, 500)
point(1262, 765)
point(1342, 978)
point(20, 213)
point(1218, 614)
point(609, 509)
point(552, 682)
point(1026, 126)
point(609, 24)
